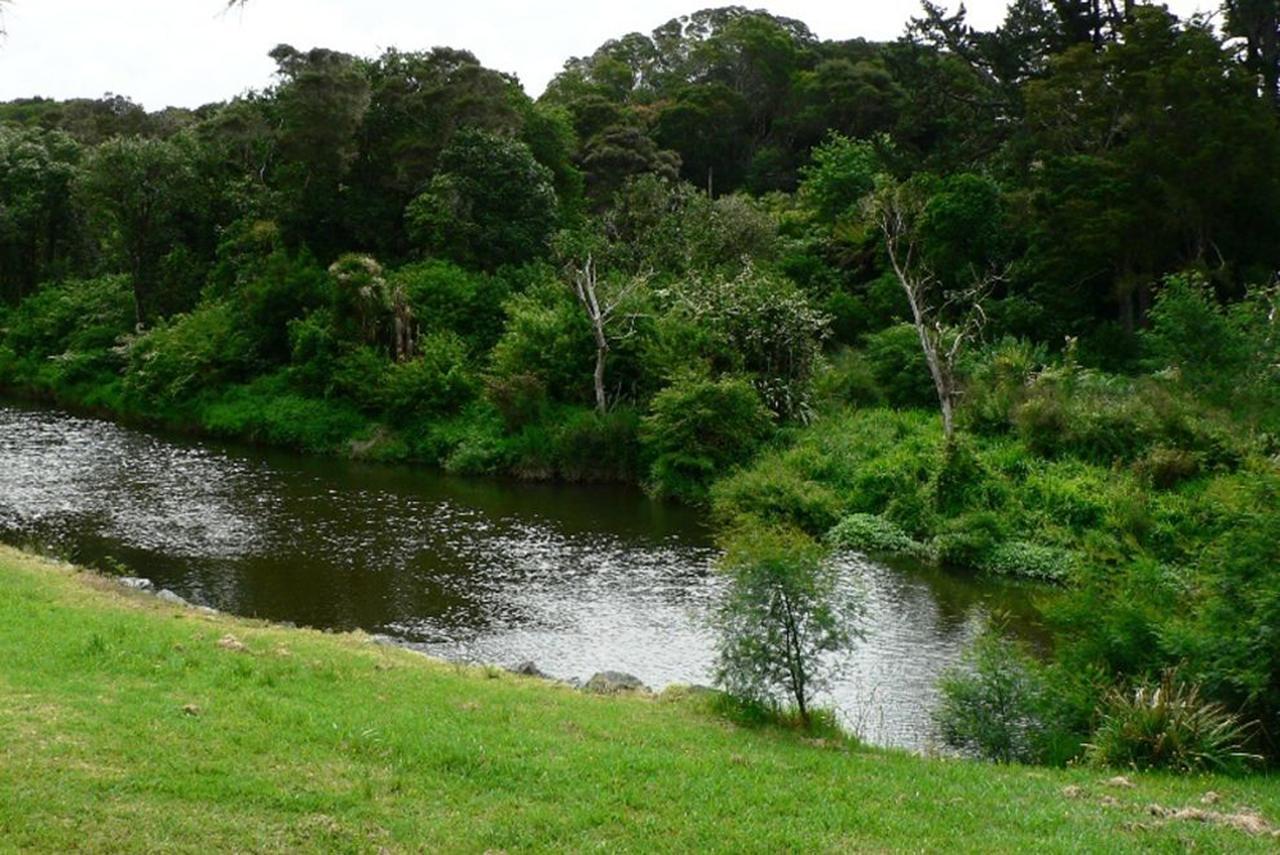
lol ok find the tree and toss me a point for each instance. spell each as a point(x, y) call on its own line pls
point(785, 614)
point(138, 192)
point(490, 204)
point(901, 211)
point(39, 225)
point(601, 301)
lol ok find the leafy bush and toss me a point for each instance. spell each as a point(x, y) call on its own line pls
point(784, 614)
point(1168, 726)
point(435, 383)
point(589, 446)
point(898, 365)
point(269, 411)
point(1019, 559)
point(871, 533)
point(697, 429)
point(994, 704)
point(445, 297)
point(997, 380)
point(188, 356)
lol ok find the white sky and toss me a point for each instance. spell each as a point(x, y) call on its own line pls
point(188, 52)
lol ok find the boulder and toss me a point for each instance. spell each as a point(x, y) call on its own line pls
point(137, 583)
point(529, 669)
point(614, 683)
point(170, 597)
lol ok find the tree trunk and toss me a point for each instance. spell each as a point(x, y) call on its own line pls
point(602, 350)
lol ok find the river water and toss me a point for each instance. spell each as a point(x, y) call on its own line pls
point(577, 579)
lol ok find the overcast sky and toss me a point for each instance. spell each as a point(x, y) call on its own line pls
point(189, 52)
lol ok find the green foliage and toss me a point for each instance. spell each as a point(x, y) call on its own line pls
point(180, 359)
point(843, 171)
point(1168, 726)
point(785, 613)
point(267, 411)
point(874, 534)
point(547, 336)
point(434, 383)
point(64, 337)
point(699, 428)
point(446, 297)
point(1019, 559)
point(756, 323)
point(996, 704)
point(899, 368)
point(490, 204)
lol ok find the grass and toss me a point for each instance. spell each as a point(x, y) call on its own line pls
point(126, 725)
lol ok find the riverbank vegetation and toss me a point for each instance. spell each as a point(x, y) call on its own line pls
point(1002, 301)
point(132, 724)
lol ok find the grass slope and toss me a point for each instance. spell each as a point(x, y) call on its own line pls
point(126, 725)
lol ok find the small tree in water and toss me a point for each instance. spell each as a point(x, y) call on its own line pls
point(782, 619)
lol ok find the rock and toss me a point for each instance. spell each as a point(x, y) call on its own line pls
point(613, 683)
point(1120, 781)
point(205, 610)
point(137, 583)
point(170, 597)
point(230, 642)
point(529, 669)
point(191, 710)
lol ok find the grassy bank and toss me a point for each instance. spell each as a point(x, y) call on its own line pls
point(130, 724)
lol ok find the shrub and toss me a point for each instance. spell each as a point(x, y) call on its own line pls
point(784, 614)
point(589, 446)
point(1019, 559)
point(435, 383)
point(188, 355)
point(520, 398)
point(446, 297)
point(1168, 726)
point(848, 380)
point(548, 337)
point(968, 540)
point(898, 365)
point(994, 703)
point(1166, 468)
point(269, 411)
point(771, 492)
point(871, 533)
point(998, 378)
point(699, 428)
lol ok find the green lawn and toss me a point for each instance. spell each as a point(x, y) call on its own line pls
point(126, 725)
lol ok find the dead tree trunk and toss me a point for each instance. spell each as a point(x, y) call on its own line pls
point(585, 286)
point(940, 343)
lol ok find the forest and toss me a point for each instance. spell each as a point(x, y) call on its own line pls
point(999, 301)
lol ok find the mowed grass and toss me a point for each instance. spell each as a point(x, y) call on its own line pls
point(126, 725)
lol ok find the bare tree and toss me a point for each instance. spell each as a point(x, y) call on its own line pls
point(945, 321)
point(601, 302)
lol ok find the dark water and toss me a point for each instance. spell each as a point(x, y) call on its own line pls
point(577, 579)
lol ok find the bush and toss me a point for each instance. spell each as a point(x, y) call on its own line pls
point(589, 446)
point(998, 379)
point(1168, 726)
point(1018, 559)
point(848, 380)
point(994, 703)
point(898, 365)
point(871, 533)
point(784, 614)
point(699, 428)
point(433, 384)
point(269, 411)
point(445, 297)
point(188, 355)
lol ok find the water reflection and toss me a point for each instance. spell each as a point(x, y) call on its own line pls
point(577, 579)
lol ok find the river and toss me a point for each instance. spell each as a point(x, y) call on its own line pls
point(577, 579)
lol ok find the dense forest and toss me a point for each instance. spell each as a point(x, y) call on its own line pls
point(1002, 301)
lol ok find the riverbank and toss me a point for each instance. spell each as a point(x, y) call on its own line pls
point(132, 724)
